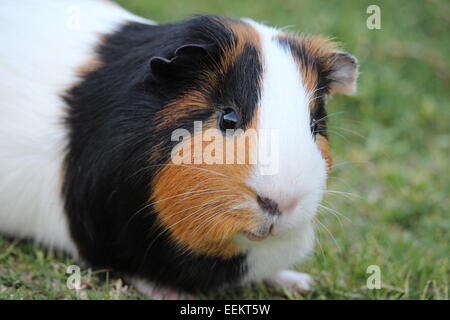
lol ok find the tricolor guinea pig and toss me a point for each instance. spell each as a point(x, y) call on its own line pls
point(91, 96)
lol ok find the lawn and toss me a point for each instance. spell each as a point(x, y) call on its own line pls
point(390, 201)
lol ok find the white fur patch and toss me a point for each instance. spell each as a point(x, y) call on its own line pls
point(43, 43)
point(301, 174)
point(294, 281)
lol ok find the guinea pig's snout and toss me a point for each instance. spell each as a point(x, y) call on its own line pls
point(272, 209)
point(268, 205)
point(275, 208)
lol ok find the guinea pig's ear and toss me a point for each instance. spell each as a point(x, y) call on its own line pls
point(185, 58)
point(343, 74)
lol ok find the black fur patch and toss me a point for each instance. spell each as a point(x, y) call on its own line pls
point(111, 120)
point(241, 86)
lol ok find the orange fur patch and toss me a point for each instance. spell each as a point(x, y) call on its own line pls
point(244, 34)
point(315, 47)
point(90, 65)
point(195, 201)
point(324, 147)
point(180, 108)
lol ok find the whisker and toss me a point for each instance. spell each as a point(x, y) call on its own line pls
point(319, 242)
point(329, 232)
point(200, 205)
point(196, 193)
point(166, 229)
point(328, 116)
point(335, 213)
point(289, 26)
point(317, 89)
point(334, 132)
point(213, 216)
point(349, 131)
point(348, 195)
point(181, 165)
point(163, 230)
point(316, 98)
point(340, 180)
point(220, 214)
point(348, 162)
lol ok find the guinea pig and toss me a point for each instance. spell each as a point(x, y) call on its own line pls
point(91, 96)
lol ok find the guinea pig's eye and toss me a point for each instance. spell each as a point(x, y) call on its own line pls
point(229, 119)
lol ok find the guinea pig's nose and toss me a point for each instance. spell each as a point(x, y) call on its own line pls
point(275, 208)
point(268, 205)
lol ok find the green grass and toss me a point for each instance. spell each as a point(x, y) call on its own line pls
point(391, 146)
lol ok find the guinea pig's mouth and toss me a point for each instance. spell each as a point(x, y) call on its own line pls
point(261, 233)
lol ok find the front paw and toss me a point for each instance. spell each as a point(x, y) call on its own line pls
point(296, 282)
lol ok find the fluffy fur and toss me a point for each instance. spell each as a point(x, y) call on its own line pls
point(86, 121)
